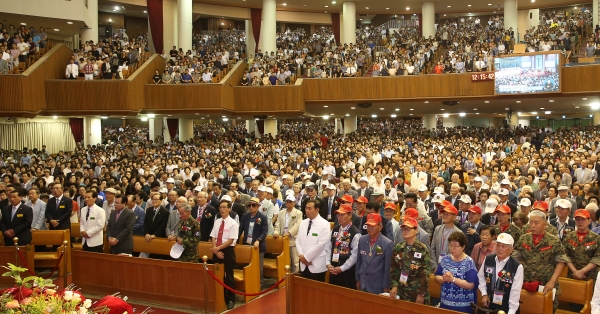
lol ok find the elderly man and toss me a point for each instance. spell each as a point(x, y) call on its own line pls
point(266, 206)
point(224, 236)
point(454, 196)
point(313, 236)
point(563, 193)
point(503, 214)
point(92, 224)
point(16, 219)
point(439, 241)
point(542, 254)
point(174, 217)
point(347, 189)
point(187, 234)
point(582, 248)
point(364, 189)
point(563, 223)
point(38, 206)
point(119, 229)
point(287, 225)
point(342, 253)
point(506, 295)
point(411, 201)
point(254, 228)
point(205, 214)
point(109, 204)
point(374, 258)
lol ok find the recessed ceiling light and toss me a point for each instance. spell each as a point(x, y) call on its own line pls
point(407, 8)
point(584, 98)
point(506, 109)
point(327, 6)
point(347, 115)
point(444, 14)
point(116, 7)
point(449, 6)
point(542, 108)
point(333, 2)
point(367, 8)
point(284, 4)
point(151, 115)
point(114, 10)
point(426, 101)
point(381, 108)
point(325, 106)
point(412, 109)
point(534, 112)
point(532, 0)
point(397, 109)
point(361, 19)
point(145, 11)
point(69, 22)
point(518, 101)
point(476, 112)
point(352, 108)
point(462, 114)
point(474, 108)
point(23, 23)
point(551, 100)
point(469, 5)
point(442, 109)
point(595, 106)
point(225, 119)
point(577, 107)
point(57, 30)
point(201, 118)
point(446, 115)
point(144, 119)
point(489, 4)
point(411, 114)
point(170, 115)
point(393, 116)
point(373, 116)
point(548, 112)
point(331, 114)
point(387, 8)
point(487, 101)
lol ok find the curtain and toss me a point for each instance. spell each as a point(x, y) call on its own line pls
point(155, 16)
point(256, 19)
point(77, 129)
point(173, 125)
point(56, 136)
point(260, 127)
point(335, 26)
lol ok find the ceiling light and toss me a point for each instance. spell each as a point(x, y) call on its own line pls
point(397, 109)
point(367, 8)
point(426, 101)
point(223, 116)
point(114, 10)
point(202, 118)
point(576, 107)
point(145, 11)
point(373, 116)
point(55, 117)
point(564, 117)
point(591, 116)
point(534, 112)
point(442, 109)
point(444, 14)
point(475, 109)
point(327, 6)
point(542, 108)
point(325, 106)
point(347, 115)
point(23, 23)
point(57, 30)
point(333, 2)
point(487, 101)
point(412, 109)
point(411, 114)
point(393, 116)
point(477, 113)
point(325, 117)
point(449, 6)
point(407, 8)
point(387, 8)
point(518, 113)
point(547, 112)
point(151, 115)
point(462, 114)
point(352, 108)
point(361, 19)
point(551, 100)
point(595, 106)
point(506, 109)
point(446, 115)
point(518, 101)
point(469, 5)
point(584, 98)
point(331, 114)
point(225, 119)
point(69, 22)
point(489, 4)
point(170, 115)
point(116, 7)
point(144, 119)
point(532, 0)
point(284, 4)
point(381, 108)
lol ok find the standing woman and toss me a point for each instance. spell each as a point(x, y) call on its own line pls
point(458, 276)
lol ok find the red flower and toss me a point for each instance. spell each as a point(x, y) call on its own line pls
point(499, 274)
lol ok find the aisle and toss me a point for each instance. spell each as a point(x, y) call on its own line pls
point(272, 303)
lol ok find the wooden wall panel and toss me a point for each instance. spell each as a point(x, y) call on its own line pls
point(233, 78)
point(68, 97)
point(581, 79)
point(140, 78)
point(11, 95)
point(269, 99)
point(183, 98)
point(118, 20)
point(386, 88)
point(136, 26)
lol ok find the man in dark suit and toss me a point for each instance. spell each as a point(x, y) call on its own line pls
point(16, 219)
point(330, 204)
point(254, 226)
point(205, 214)
point(504, 200)
point(563, 223)
point(237, 206)
point(58, 209)
point(157, 216)
point(365, 190)
point(6, 202)
point(120, 227)
point(489, 218)
point(454, 196)
point(471, 228)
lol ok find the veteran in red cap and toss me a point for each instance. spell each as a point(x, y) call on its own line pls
point(343, 251)
point(374, 258)
point(422, 235)
point(583, 248)
point(439, 242)
point(347, 199)
point(504, 225)
point(471, 228)
point(541, 206)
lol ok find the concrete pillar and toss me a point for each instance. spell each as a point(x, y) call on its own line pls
point(186, 129)
point(166, 134)
point(596, 115)
point(271, 127)
point(155, 129)
point(170, 27)
point(428, 14)
point(510, 16)
point(338, 126)
point(514, 120)
point(268, 28)
point(349, 124)
point(91, 33)
point(251, 127)
point(429, 121)
point(250, 42)
point(92, 131)
point(184, 24)
point(348, 23)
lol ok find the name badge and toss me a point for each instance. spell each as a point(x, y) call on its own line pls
point(417, 255)
point(498, 297)
point(19, 215)
point(249, 240)
point(335, 257)
point(92, 218)
point(403, 278)
point(315, 235)
point(441, 257)
point(61, 206)
point(329, 217)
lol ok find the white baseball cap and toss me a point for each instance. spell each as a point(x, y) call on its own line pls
point(506, 239)
point(324, 182)
point(422, 188)
point(226, 198)
point(198, 189)
point(438, 198)
point(324, 172)
point(289, 192)
point(503, 192)
point(479, 179)
point(438, 190)
point(562, 188)
point(269, 190)
point(262, 188)
point(170, 180)
point(465, 199)
point(331, 187)
point(564, 203)
point(485, 187)
point(163, 191)
point(525, 202)
point(290, 198)
point(505, 182)
point(364, 179)
point(490, 205)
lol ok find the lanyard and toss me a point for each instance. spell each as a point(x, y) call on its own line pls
point(444, 237)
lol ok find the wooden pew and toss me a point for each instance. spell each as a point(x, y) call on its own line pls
point(275, 267)
point(172, 283)
point(76, 236)
point(49, 259)
point(158, 246)
point(576, 291)
point(246, 279)
point(7, 255)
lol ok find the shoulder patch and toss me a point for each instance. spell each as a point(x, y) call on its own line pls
point(527, 247)
point(546, 248)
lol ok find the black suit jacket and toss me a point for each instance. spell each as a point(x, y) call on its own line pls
point(568, 228)
point(62, 213)
point(156, 226)
point(55, 171)
point(486, 219)
point(20, 224)
point(303, 206)
point(471, 239)
point(259, 232)
point(325, 209)
point(206, 222)
point(122, 230)
point(239, 209)
point(449, 199)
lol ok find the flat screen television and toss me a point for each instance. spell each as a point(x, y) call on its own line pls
point(529, 73)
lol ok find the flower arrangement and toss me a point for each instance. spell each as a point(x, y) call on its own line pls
point(36, 295)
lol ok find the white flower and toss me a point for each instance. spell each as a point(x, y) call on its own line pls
point(87, 304)
point(68, 296)
point(83, 310)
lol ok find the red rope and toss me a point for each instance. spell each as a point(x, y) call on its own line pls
point(243, 293)
point(32, 273)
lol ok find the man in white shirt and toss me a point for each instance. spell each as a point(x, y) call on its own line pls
point(224, 235)
point(313, 235)
point(507, 296)
point(92, 223)
point(72, 70)
point(206, 77)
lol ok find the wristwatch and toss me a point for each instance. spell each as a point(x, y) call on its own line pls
point(453, 280)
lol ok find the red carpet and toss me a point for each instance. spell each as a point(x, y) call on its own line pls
point(272, 303)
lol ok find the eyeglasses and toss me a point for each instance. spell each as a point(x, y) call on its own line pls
point(454, 246)
point(252, 205)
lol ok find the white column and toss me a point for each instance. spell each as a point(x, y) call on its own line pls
point(166, 134)
point(155, 129)
point(596, 114)
point(250, 42)
point(429, 121)
point(251, 127)
point(186, 129)
point(428, 12)
point(170, 28)
point(268, 28)
point(338, 126)
point(91, 32)
point(184, 24)
point(514, 120)
point(349, 23)
point(510, 16)
point(271, 127)
point(349, 124)
point(92, 131)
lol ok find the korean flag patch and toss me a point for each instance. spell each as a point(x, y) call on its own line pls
point(417, 255)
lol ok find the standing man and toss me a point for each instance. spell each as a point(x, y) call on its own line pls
point(364, 189)
point(374, 258)
point(119, 230)
point(287, 225)
point(109, 203)
point(253, 227)
point(563, 223)
point(313, 236)
point(342, 253)
point(387, 229)
point(266, 206)
point(503, 214)
point(92, 224)
point(156, 220)
point(58, 209)
point(139, 213)
point(439, 242)
point(187, 235)
point(471, 228)
point(39, 210)
point(16, 219)
point(224, 235)
point(501, 292)
point(542, 254)
point(205, 214)
point(582, 248)
point(331, 204)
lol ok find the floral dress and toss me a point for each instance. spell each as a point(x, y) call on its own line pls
point(454, 297)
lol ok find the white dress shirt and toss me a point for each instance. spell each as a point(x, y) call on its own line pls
point(595, 303)
point(230, 231)
point(515, 290)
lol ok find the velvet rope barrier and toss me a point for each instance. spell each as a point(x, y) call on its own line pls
point(32, 273)
point(243, 293)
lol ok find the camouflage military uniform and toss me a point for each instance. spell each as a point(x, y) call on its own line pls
point(583, 252)
point(189, 231)
point(415, 262)
point(514, 231)
point(549, 229)
point(539, 261)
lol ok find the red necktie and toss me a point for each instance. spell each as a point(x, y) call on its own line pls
point(118, 214)
point(220, 235)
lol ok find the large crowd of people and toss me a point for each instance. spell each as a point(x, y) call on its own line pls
point(406, 201)
point(20, 46)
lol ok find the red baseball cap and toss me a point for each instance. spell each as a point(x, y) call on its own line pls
point(503, 209)
point(390, 205)
point(411, 213)
point(373, 219)
point(344, 209)
point(475, 209)
point(541, 205)
point(582, 213)
point(449, 209)
point(410, 222)
point(347, 198)
point(362, 199)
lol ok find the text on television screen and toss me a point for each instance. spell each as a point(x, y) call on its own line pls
point(538, 73)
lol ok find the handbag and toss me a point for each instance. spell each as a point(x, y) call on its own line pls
point(481, 310)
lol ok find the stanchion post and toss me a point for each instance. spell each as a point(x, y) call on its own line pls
point(204, 259)
point(16, 243)
point(66, 270)
point(287, 290)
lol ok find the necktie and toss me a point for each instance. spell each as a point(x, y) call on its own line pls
point(330, 203)
point(118, 214)
point(87, 214)
point(220, 235)
point(155, 214)
point(309, 225)
point(14, 210)
point(57, 202)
